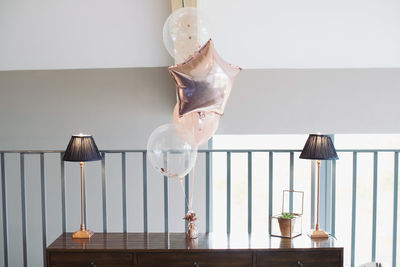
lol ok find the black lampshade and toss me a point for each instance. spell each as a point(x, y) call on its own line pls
point(82, 148)
point(319, 147)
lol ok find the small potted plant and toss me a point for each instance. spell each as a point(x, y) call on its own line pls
point(286, 223)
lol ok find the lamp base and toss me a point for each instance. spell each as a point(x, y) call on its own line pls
point(83, 234)
point(318, 234)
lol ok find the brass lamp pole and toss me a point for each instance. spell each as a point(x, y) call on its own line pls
point(319, 147)
point(82, 148)
point(83, 232)
point(317, 232)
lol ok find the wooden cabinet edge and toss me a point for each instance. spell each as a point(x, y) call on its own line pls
point(136, 254)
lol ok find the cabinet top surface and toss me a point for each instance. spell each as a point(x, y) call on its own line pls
point(178, 241)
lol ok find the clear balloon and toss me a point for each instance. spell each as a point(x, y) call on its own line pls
point(204, 82)
point(170, 153)
point(185, 31)
point(202, 125)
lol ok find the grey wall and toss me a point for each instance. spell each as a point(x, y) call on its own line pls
point(120, 107)
point(304, 101)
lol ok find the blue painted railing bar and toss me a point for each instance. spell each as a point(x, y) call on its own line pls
point(187, 192)
point(104, 190)
point(187, 196)
point(291, 180)
point(333, 218)
point(166, 226)
point(228, 192)
point(208, 193)
point(5, 209)
point(374, 206)
point(123, 174)
point(354, 210)
point(395, 205)
point(270, 189)
point(326, 196)
point(144, 162)
point(313, 193)
point(249, 191)
point(23, 210)
point(43, 200)
point(63, 194)
point(328, 189)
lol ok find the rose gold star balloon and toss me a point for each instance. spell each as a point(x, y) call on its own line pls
point(204, 81)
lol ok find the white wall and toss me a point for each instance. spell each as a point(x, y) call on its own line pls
point(73, 34)
point(307, 33)
point(65, 34)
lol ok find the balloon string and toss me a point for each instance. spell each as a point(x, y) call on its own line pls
point(191, 189)
point(184, 193)
point(189, 201)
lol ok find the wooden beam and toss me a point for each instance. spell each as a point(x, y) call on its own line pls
point(191, 3)
point(176, 4)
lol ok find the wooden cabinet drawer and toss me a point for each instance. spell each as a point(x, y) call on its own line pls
point(91, 259)
point(195, 259)
point(309, 258)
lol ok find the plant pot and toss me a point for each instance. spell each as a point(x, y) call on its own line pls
point(286, 226)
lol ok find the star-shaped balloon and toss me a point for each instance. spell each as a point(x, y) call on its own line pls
point(204, 82)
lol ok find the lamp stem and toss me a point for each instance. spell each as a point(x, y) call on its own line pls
point(82, 164)
point(319, 167)
point(83, 232)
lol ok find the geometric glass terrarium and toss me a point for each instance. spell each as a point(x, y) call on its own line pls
point(288, 223)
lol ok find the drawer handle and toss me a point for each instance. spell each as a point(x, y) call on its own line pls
point(196, 264)
point(298, 263)
point(92, 264)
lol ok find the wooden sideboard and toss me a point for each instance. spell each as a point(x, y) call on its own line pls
point(209, 250)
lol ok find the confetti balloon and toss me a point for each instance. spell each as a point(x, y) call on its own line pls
point(171, 153)
point(185, 31)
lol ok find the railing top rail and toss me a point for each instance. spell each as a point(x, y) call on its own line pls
point(294, 150)
point(205, 151)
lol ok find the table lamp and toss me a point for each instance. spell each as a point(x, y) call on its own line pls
point(82, 148)
point(318, 147)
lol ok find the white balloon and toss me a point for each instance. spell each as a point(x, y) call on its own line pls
point(170, 153)
point(184, 32)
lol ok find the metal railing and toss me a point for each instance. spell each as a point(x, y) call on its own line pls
point(208, 197)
